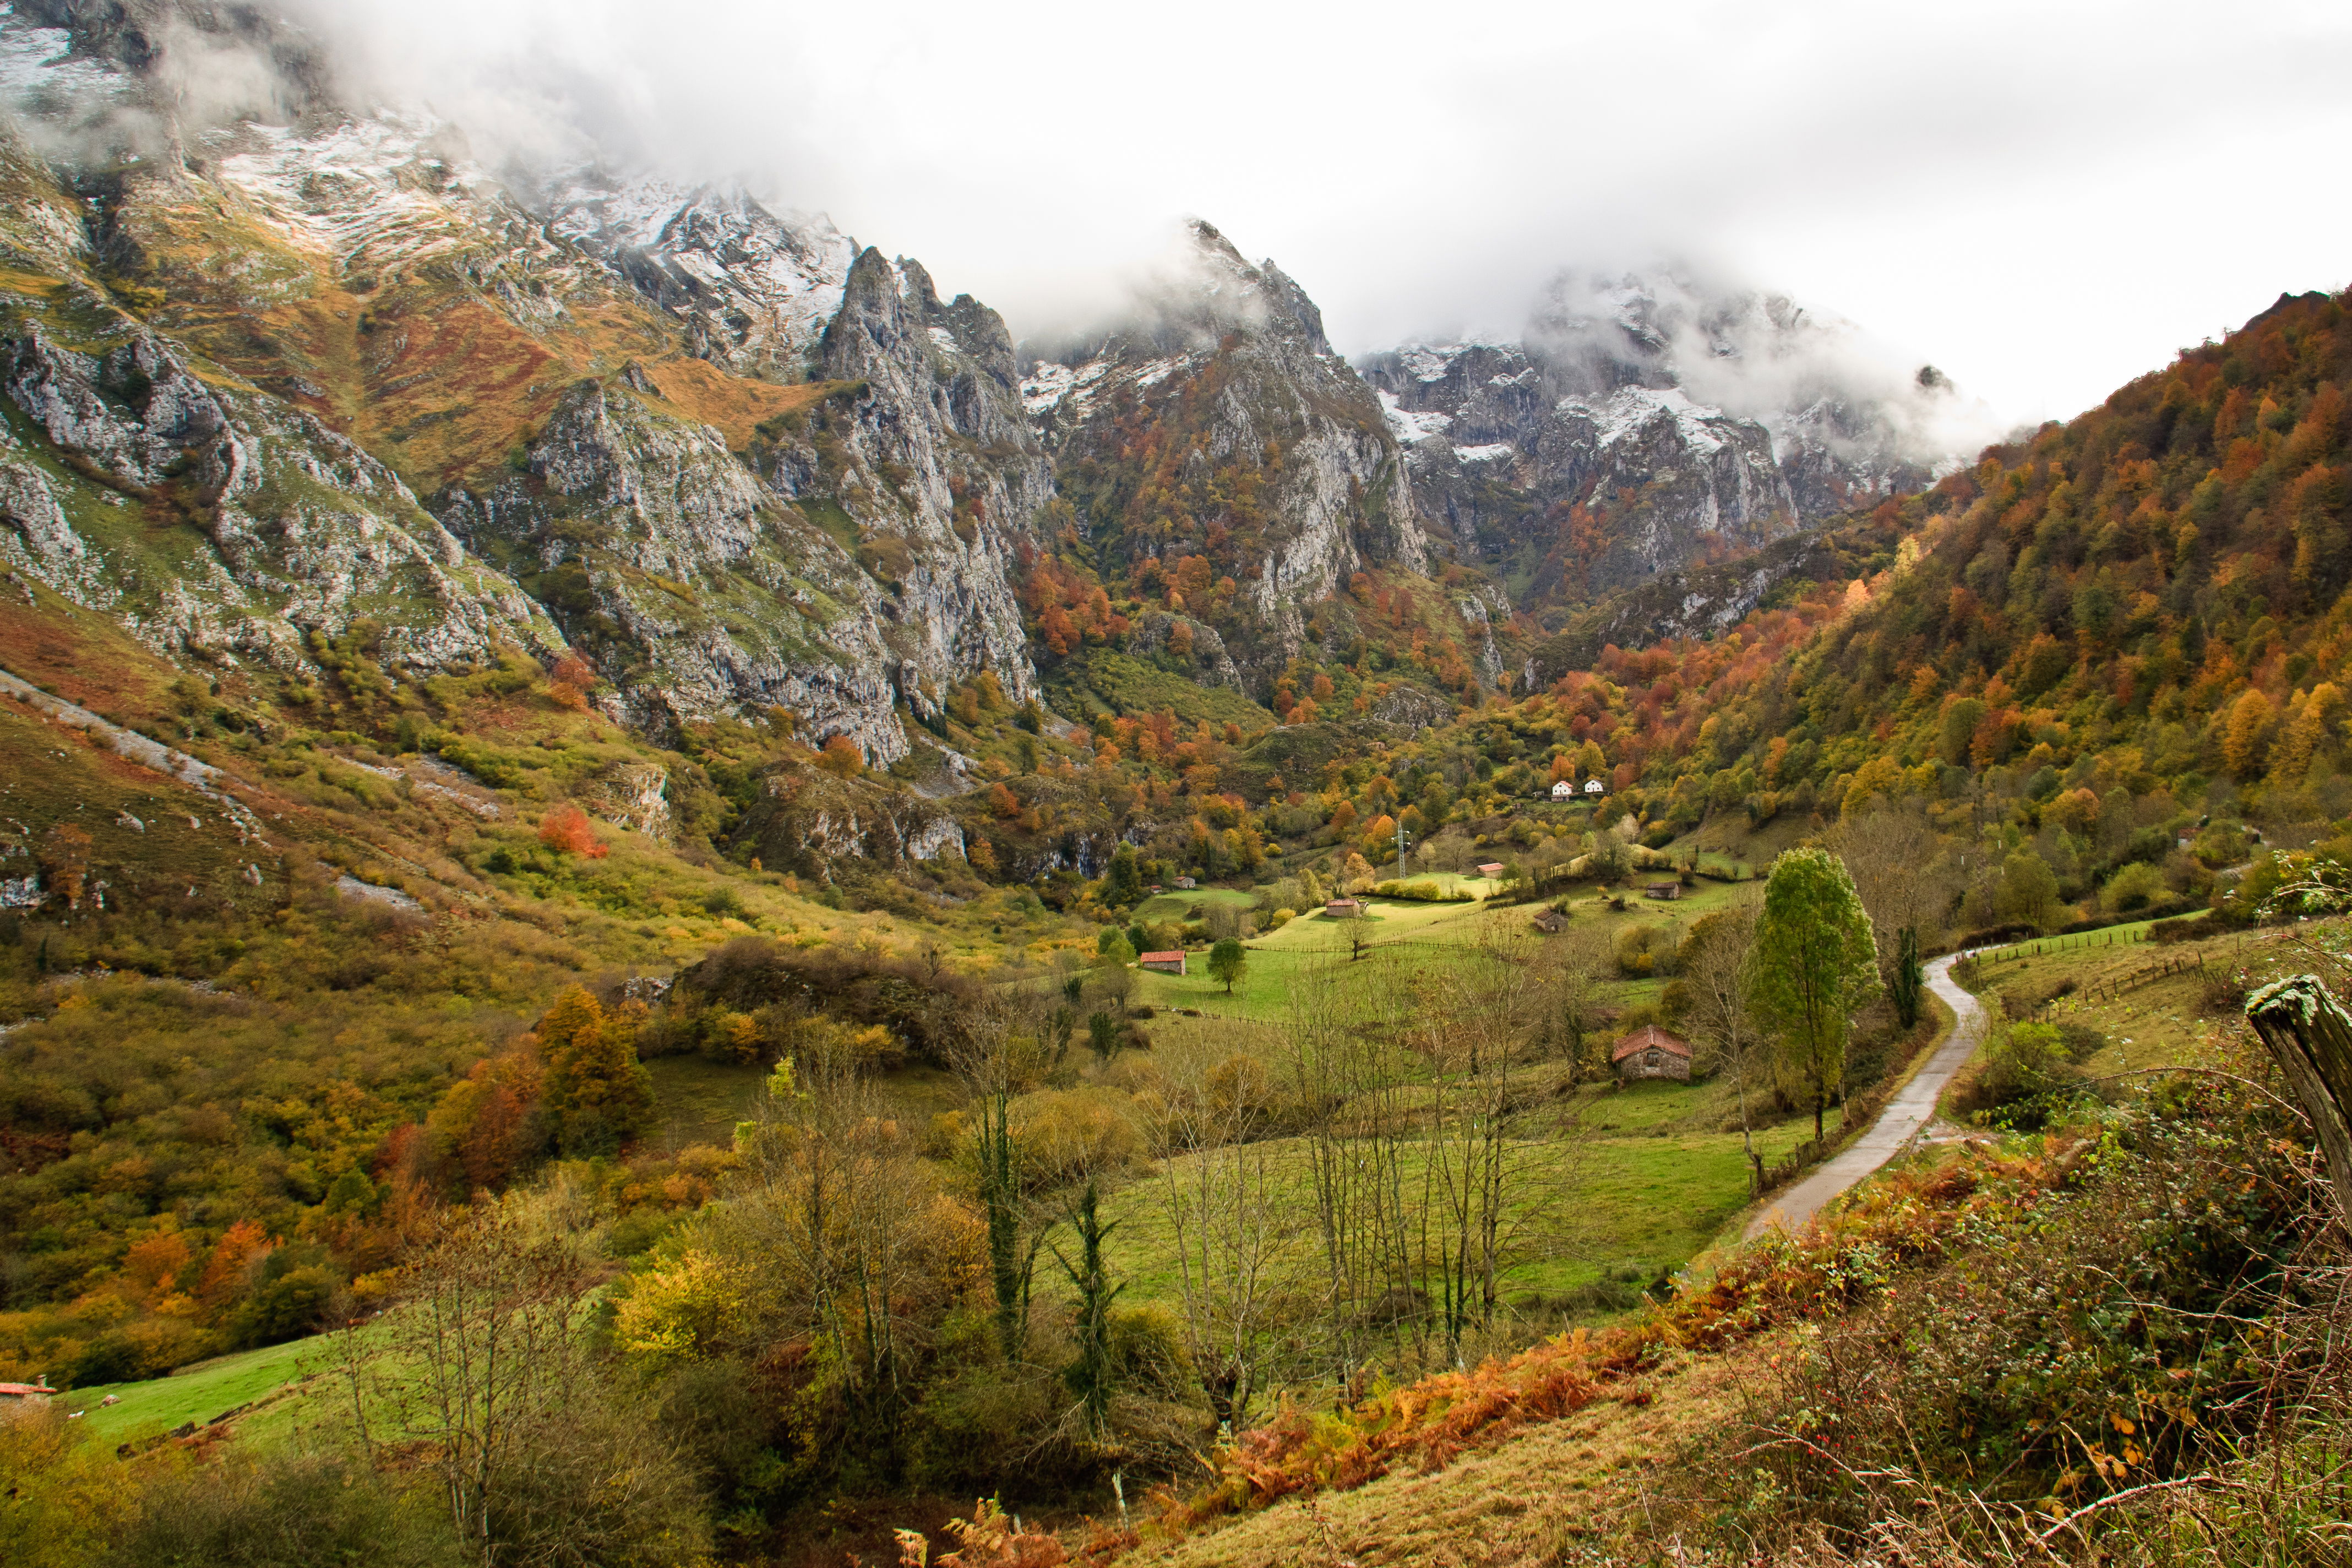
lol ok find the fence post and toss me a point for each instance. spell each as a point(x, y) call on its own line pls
point(2310, 1036)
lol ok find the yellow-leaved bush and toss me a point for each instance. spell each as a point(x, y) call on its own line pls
point(683, 1308)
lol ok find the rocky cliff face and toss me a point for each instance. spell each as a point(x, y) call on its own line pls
point(744, 463)
point(747, 465)
point(687, 583)
point(934, 462)
point(1219, 426)
point(213, 521)
point(850, 560)
point(1645, 423)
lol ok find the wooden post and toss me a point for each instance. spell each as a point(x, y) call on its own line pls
point(2310, 1035)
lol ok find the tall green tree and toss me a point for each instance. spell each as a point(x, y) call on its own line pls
point(1000, 1194)
point(1102, 1037)
point(994, 1053)
point(1815, 962)
point(1124, 878)
point(1228, 961)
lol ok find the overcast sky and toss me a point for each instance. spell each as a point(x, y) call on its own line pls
point(2044, 199)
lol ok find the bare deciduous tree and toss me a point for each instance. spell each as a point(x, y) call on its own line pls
point(1902, 871)
point(1478, 1025)
point(1228, 1199)
point(484, 1372)
point(1571, 974)
point(1714, 964)
point(1354, 1096)
point(1427, 1169)
point(998, 1049)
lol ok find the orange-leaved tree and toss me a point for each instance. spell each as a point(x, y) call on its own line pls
point(599, 1094)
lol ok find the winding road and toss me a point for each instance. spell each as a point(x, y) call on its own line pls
point(1905, 1116)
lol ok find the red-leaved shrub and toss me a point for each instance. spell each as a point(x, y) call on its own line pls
point(567, 830)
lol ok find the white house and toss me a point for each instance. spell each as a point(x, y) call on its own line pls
point(1563, 790)
point(1593, 786)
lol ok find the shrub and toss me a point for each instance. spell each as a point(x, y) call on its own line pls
point(2134, 887)
point(566, 830)
point(296, 1303)
point(2114, 1342)
point(298, 1511)
point(2222, 844)
point(2025, 1067)
point(596, 1484)
point(1644, 950)
point(1065, 1133)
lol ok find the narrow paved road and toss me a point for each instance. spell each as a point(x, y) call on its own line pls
point(1909, 1111)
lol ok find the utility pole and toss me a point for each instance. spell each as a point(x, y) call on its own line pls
point(1401, 836)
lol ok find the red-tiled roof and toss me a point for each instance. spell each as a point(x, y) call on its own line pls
point(1643, 1038)
point(1175, 957)
point(18, 1390)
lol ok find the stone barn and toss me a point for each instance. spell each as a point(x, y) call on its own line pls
point(1651, 1052)
point(25, 1398)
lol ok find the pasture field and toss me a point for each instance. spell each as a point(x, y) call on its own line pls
point(2158, 1006)
point(2079, 942)
point(211, 1388)
point(1395, 930)
point(1616, 1181)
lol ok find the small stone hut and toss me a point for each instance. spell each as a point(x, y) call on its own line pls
point(1651, 1052)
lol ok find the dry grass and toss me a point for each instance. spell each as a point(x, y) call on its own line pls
point(84, 658)
point(732, 404)
point(1579, 1481)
